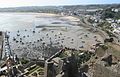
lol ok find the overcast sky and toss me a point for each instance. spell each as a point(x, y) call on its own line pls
point(18, 3)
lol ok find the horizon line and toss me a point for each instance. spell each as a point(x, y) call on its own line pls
point(64, 5)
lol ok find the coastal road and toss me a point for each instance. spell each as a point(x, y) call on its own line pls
point(84, 22)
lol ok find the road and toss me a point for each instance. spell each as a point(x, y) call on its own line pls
point(84, 22)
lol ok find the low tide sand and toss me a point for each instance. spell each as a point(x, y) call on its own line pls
point(75, 37)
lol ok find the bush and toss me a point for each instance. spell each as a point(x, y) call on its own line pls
point(23, 61)
point(34, 74)
point(104, 47)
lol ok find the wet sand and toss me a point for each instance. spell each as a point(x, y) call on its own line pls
point(39, 42)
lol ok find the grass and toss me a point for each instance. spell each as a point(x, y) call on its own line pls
point(109, 49)
point(100, 52)
point(101, 71)
point(37, 69)
point(114, 51)
point(34, 69)
point(24, 61)
point(63, 55)
point(40, 69)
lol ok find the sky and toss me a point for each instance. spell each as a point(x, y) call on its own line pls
point(19, 3)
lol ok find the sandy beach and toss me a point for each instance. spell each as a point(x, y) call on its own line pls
point(29, 42)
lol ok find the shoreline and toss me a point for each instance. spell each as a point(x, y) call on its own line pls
point(74, 36)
